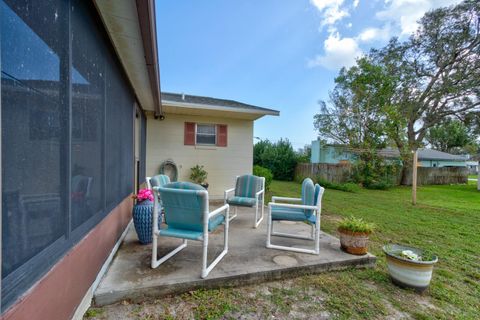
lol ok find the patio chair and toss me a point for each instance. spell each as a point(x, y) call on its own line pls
point(187, 212)
point(249, 192)
point(157, 181)
point(308, 210)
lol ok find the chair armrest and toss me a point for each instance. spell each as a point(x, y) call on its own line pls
point(286, 199)
point(218, 211)
point(228, 191)
point(288, 205)
point(259, 192)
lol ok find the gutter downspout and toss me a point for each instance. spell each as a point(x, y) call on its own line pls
point(148, 29)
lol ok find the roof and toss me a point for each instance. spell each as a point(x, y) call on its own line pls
point(131, 27)
point(430, 154)
point(208, 103)
point(423, 154)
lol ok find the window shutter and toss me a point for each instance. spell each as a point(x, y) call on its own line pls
point(189, 134)
point(221, 135)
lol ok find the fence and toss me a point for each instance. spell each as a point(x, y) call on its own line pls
point(337, 173)
point(340, 173)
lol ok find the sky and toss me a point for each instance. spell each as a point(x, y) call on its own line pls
point(278, 54)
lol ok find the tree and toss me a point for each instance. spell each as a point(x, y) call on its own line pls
point(450, 136)
point(279, 157)
point(355, 114)
point(430, 77)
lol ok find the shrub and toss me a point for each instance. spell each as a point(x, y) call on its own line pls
point(264, 172)
point(356, 225)
point(347, 187)
point(198, 174)
point(373, 172)
point(279, 157)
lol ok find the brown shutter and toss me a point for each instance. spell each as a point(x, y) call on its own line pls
point(189, 134)
point(221, 135)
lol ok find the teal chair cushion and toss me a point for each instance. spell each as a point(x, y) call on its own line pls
point(241, 201)
point(317, 191)
point(190, 234)
point(159, 180)
point(308, 195)
point(247, 186)
point(184, 204)
point(291, 214)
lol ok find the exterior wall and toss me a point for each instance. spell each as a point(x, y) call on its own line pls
point(442, 163)
point(58, 293)
point(165, 140)
point(329, 154)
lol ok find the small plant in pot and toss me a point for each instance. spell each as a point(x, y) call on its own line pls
point(409, 267)
point(354, 233)
point(199, 176)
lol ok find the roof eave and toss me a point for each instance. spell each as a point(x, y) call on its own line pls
point(147, 21)
point(260, 112)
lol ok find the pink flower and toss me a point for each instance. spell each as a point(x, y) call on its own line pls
point(145, 194)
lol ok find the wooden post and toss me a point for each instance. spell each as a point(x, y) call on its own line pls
point(414, 177)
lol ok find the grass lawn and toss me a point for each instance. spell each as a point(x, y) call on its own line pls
point(473, 176)
point(446, 221)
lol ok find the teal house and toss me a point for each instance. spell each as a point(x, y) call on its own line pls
point(335, 154)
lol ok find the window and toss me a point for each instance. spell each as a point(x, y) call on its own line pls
point(67, 134)
point(206, 134)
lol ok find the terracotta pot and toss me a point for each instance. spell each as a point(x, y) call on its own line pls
point(406, 273)
point(354, 242)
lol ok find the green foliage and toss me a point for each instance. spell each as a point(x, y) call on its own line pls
point(198, 174)
point(374, 172)
point(264, 172)
point(304, 154)
point(279, 158)
point(356, 225)
point(347, 187)
point(397, 93)
point(451, 136)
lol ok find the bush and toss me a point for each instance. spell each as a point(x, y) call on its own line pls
point(264, 172)
point(279, 158)
point(373, 172)
point(347, 187)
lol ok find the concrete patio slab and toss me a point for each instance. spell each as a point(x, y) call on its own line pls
point(248, 261)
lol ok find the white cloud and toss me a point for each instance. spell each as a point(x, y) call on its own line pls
point(355, 3)
point(405, 13)
point(338, 52)
point(331, 11)
point(375, 34)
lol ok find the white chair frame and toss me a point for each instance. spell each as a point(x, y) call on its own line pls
point(315, 233)
point(261, 193)
point(206, 217)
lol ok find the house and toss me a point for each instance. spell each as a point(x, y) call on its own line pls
point(77, 79)
point(215, 133)
point(472, 166)
point(334, 154)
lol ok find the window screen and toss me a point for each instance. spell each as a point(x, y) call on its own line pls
point(67, 134)
point(206, 134)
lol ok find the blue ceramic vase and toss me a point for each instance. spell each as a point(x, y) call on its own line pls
point(142, 219)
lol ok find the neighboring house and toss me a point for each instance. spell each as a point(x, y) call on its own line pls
point(472, 167)
point(215, 133)
point(77, 78)
point(334, 154)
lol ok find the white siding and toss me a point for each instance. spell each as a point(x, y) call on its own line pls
point(165, 141)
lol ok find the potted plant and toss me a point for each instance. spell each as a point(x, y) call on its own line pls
point(354, 233)
point(143, 215)
point(199, 176)
point(409, 267)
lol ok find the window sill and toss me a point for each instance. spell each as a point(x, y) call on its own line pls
point(205, 147)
